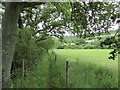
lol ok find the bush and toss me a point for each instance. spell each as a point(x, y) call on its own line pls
point(60, 47)
point(47, 44)
point(89, 46)
point(26, 50)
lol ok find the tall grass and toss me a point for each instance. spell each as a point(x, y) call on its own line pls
point(35, 78)
point(89, 74)
point(56, 72)
point(81, 75)
point(51, 74)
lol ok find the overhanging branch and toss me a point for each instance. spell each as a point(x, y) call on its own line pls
point(31, 4)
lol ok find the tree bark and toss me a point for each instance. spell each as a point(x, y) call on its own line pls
point(9, 37)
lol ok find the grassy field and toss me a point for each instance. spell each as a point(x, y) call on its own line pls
point(89, 68)
point(96, 56)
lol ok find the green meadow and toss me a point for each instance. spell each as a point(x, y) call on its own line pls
point(88, 68)
point(96, 56)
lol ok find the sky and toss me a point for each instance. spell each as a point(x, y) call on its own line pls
point(114, 27)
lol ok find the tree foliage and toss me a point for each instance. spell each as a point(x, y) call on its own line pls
point(49, 16)
point(83, 19)
point(92, 18)
point(113, 42)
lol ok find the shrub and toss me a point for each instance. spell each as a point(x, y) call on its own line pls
point(26, 50)
point(47, 44)
point(89, 46)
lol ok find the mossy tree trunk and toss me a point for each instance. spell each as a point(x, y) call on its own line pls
point(9, 37)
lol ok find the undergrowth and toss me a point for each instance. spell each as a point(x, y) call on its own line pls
point(50, 73)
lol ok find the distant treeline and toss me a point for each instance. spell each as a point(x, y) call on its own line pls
point(72, 42)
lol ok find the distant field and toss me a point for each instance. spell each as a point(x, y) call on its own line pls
point(97, 56)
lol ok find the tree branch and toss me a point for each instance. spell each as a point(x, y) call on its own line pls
point(31, 4)
point(24, 4)
point(20, 23)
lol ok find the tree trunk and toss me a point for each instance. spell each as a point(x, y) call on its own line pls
point(9, 37)
point(9, 34)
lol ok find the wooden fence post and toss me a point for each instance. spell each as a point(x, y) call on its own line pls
point(55, 58)
point(23, 67)
point(67, 74)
